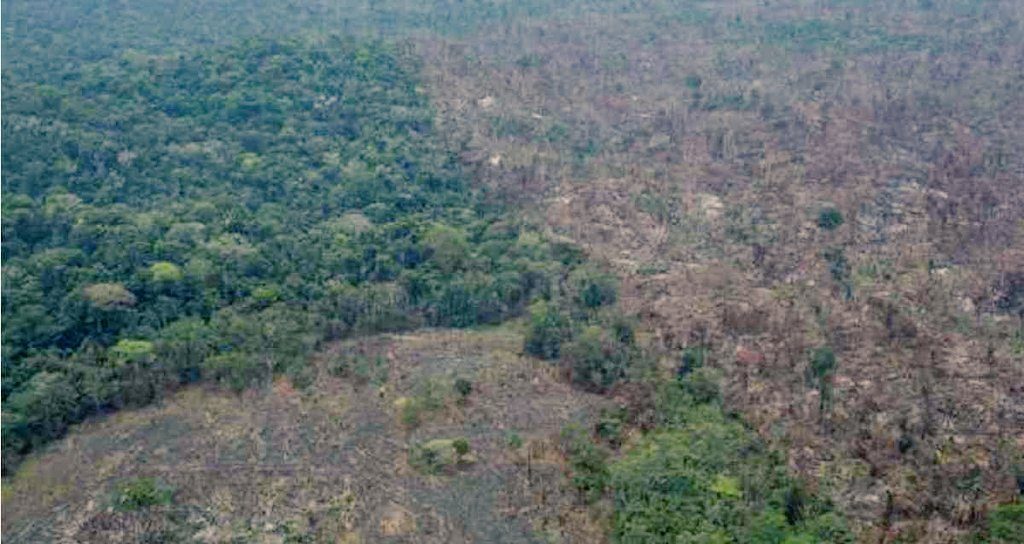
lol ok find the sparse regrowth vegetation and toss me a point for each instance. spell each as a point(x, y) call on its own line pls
point(588, 463)
point(830, 219)
point(463, 388)
point(821, 372)
point(140, 493)
point(428, 398)
point(439, 455)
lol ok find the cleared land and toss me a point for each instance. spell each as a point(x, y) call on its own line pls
point(331, 462)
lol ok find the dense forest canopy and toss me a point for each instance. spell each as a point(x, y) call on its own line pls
point(761, 262)
point(191, 215)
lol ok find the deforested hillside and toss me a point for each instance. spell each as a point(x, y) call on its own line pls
point(827, 197)
point(488, 271)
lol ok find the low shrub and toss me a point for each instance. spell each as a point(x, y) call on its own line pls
point(140, 493)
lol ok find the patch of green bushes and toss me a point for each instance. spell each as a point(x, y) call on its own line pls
point(1005, 524)
point(702, 476)
point(706, 478)
point(429, 396)
point(599, 357)
point(439, 455)
point(141, 493)
point(463, 388)
point(548, 328)
point(588, 462)
point(830, 219)
point(596, 346)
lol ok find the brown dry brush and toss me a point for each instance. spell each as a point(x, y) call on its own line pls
point(928, 185)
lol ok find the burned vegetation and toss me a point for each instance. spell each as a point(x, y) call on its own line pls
point(513, 271)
